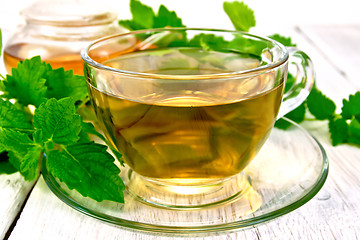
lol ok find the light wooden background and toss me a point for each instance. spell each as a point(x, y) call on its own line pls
point(31, 211)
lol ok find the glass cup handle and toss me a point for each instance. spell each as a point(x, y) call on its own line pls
point(304, 81)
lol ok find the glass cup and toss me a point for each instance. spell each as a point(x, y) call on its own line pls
point(190, 108)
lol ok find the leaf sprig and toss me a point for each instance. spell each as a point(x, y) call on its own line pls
point(54, 130)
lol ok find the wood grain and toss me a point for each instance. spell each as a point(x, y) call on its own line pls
point(13, 191)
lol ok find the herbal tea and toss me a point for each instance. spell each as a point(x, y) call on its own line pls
point(185, 128)
point(57, 57)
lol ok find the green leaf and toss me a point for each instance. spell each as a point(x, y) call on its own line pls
point(83, 137)
point(209, 42)
point(286, 41)
point(58, 121)
point(142, 15)
point(90, 129)
point(351, 107)
point(5, 166)
point(339, 132)
point(130, 25)
point(30, 162)
point(24, 154)
point(354, 132)
point(241, 16)
point(62, 84)
point(12, 117)
point(297, 115)
point(166, 18)
point(87, 113)
point(245, 45)
point(93, 172)
point(27, 82)
point(319, 105)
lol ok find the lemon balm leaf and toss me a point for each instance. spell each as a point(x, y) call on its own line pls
point(339, 132)
point(89, 128)
point(319, 105)
point(166, 18)
point(23, 153)
point(27, 82)
point(30, 162)
point(241, 16)
point(354, 132)
point(12, 117)
point(142, 15)
point(58, 121)
point(61, 84)
point(93, 172)
point(5, 166)
point(351, 107)
point(14, 141)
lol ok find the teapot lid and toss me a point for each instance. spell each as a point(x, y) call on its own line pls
point(69, 13)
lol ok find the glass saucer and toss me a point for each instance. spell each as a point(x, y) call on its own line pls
point(289, 170)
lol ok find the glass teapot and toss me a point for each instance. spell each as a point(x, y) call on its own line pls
point(57, 30)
